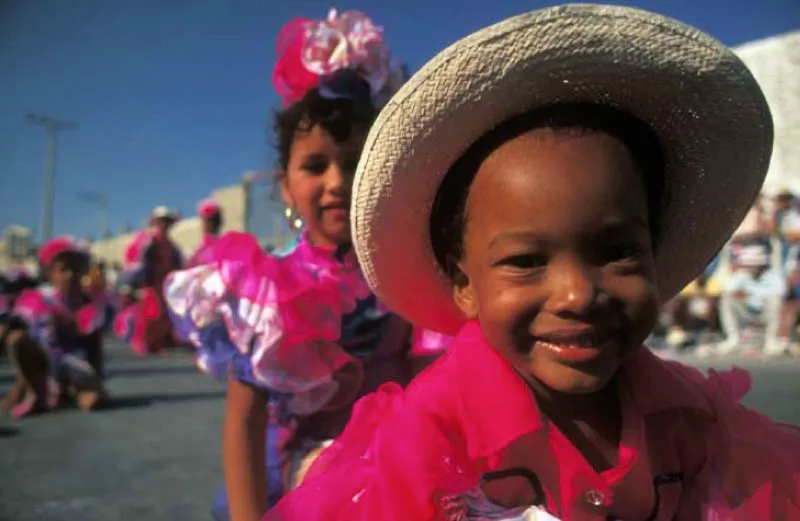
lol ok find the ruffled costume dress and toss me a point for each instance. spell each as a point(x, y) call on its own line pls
point(466, 441)
point(286, 322)
point(70, 333)
point(205, 252)
point(143, 321)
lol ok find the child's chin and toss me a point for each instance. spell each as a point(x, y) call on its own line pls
point(569, 380)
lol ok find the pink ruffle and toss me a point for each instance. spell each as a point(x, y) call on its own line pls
point(308, 50)
point(290, 77)
point(364, 475)
point(284, 317)
point(403, 454)
point(40, 306)
point(135, 251)
point(205, 253)
point(754, 463)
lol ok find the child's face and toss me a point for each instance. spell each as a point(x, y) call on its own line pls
point(66, 272)
point(558, 264)
point(318, 183)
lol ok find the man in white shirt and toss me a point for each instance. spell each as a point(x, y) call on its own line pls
point(753, 295)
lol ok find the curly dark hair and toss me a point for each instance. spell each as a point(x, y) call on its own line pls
point(449, 213)
point(339, 116)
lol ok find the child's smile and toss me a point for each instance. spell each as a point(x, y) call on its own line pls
point(558, 263)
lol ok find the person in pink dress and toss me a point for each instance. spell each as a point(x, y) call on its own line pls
point(56, 335)
point(539, 189)
point(149, 258)
point(211, 216)
point(296, 333)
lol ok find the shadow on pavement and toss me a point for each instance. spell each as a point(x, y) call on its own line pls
point(8, 432)
point(148, 400)
point(132, 372)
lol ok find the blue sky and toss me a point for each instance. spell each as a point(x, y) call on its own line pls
point(173, 97)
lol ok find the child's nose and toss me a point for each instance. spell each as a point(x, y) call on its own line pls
point(335, 178)
point(572, 288)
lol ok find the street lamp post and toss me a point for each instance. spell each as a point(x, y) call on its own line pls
point(52, 127)
point(100, 200)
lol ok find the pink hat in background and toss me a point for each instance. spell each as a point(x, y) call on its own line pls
point(208, 208)
point(64, 243)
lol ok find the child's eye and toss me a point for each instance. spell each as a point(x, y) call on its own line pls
point(622, 253)
point(525, 261)
point(315, 166)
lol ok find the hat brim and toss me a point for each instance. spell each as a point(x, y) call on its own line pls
point(697, 96)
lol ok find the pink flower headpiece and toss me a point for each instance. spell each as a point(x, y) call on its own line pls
point(65, 243)
point(207, 208)
point(311, 50)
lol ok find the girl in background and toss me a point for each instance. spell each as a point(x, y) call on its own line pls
point(297, 333)
point(57, 334)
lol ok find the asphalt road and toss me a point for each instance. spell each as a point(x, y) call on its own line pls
point(155, 455)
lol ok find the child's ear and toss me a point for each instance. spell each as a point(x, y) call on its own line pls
point(463, 291)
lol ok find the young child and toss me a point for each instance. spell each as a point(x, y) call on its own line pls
point(211, 215)
point(150, 256)
point(297, 333)
point(541, 186)
point(55, 340)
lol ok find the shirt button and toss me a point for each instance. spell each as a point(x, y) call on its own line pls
point(595, 498)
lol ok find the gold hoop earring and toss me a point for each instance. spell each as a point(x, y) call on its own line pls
point(294, 221)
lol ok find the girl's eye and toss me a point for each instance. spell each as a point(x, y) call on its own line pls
point(525, 261)
point(315, 166)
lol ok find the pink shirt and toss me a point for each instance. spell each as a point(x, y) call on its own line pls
point(688, 450)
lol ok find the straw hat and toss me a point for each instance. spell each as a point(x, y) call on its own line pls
point(696, 95)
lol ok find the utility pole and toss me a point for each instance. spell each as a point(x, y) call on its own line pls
point(52, 126)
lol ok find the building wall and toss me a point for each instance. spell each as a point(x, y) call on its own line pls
point(775, 63)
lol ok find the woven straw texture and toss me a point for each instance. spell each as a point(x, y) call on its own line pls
point(699, 98)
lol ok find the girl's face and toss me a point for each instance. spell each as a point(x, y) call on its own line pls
point(318, 182)
point(66, 271)
point(558, 264)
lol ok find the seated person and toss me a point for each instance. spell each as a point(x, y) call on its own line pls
point(752, 296)
point(695, 312)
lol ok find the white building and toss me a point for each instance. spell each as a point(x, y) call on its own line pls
point(775, 63)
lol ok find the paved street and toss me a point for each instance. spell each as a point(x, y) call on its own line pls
point(155, 455)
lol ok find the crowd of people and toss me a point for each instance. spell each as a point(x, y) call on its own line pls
point(746, 301)
point(500, 234)
point(53, 318)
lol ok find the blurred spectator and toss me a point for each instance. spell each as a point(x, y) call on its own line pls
point(752, 298)
point(787, 228)
point(756, 226)
point(696, 314)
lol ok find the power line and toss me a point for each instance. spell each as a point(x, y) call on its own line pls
point(52, 127)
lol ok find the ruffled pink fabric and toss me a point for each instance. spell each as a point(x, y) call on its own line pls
point(406, 455)
point(308, 50)
point(753, 462)
point(134, 253)
point(283, 317)
point(205, 253)
point(39, 307)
